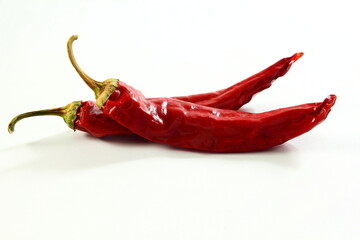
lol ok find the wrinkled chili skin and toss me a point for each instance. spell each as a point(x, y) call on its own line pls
point(90, 119)
point(188, 125)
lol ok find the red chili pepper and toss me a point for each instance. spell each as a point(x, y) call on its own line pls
point(90, 119)
point(188, 125)
point(235, 96)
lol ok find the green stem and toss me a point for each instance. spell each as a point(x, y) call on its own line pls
point(93, 84)
point(68, 113)
point(102, 90)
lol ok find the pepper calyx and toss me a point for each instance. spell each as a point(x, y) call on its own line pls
point(106, 89)
point(70, 113)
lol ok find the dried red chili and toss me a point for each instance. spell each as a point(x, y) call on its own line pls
point(188, 125)
point(90, 119)
point(237, 95)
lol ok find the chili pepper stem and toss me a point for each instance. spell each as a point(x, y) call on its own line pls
point(102, 90)
point(68, 113)
point(94, 85)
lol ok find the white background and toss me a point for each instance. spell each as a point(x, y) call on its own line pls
point(57, 184)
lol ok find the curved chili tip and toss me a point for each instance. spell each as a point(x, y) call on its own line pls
point(296, 56)
point(329, 102)
point(326, 105)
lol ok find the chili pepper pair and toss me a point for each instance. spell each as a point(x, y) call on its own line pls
point(207, 121)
